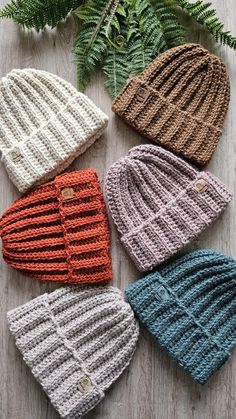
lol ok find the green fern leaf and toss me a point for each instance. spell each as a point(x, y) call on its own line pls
point(116, 65)
point(174, 32)
point(145, 36)
point(205, 15)
point(39, 13)
point(116, 69)
point(91, 43)
point(121, 39)
point(121, 10)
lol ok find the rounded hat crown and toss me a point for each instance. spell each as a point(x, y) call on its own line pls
point(143, 182)
point(205, 283)
point(192, 79)
point(77, 342)
point(30, 99)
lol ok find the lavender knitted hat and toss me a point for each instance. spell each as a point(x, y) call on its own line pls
point(77, 341)
point(160, 203)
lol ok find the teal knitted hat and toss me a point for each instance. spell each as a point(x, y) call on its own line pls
point(189, 306)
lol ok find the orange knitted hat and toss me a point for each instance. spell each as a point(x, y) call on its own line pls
point(59, 231)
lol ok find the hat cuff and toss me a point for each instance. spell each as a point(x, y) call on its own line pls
point(101, 262)
point(53, 147)
point(52, 359)
point(175, 327)
point(179, 222)
point(158, 119)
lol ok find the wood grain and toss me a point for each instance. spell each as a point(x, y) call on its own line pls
point(154, 387)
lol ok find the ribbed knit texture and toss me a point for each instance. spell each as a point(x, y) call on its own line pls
point(160, 203)
point(77, 341)
point(179, 101)
point(45, 123)
point(189, 306)
point(59, 231)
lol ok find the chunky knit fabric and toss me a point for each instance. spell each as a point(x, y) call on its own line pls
point(190, 308)
point(77, 342)
point(44, 124)
point(179, 101)
point(59, 231)
point(160, 203)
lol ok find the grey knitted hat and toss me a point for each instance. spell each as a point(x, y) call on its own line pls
point(45, 123)
point(77, 342)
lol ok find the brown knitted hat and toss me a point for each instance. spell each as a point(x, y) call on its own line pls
point(179, 101)
point(59, 231)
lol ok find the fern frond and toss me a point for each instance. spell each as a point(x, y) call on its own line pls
point(145, 35)
point(116, 69)
point(116, 65)
point(91, 42)
point(205, 15)
point(173, 31)
point(39, 13)
point(121, 37)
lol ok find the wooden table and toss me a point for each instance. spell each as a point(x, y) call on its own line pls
point(153, 387)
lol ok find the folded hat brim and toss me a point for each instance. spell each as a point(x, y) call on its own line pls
point(161, 121)
point(179, 222)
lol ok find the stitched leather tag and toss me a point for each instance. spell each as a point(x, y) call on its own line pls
point(85, 385)
point(67, 193)
point(201, 185)
point(142, 94)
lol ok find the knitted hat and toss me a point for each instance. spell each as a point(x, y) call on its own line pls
point(159, 203)
point(77, 341)
point(179, 101)
point(190, 308)
point(45, 123)
point(59, 231)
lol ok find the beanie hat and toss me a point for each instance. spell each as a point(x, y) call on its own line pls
point(45, 123)
point(77, 341)
point(189, 306)
point(179, 101)
point(160, 203)
point(59, 231)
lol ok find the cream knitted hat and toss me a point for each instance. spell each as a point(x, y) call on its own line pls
point(45, 123)
point(77, 341)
